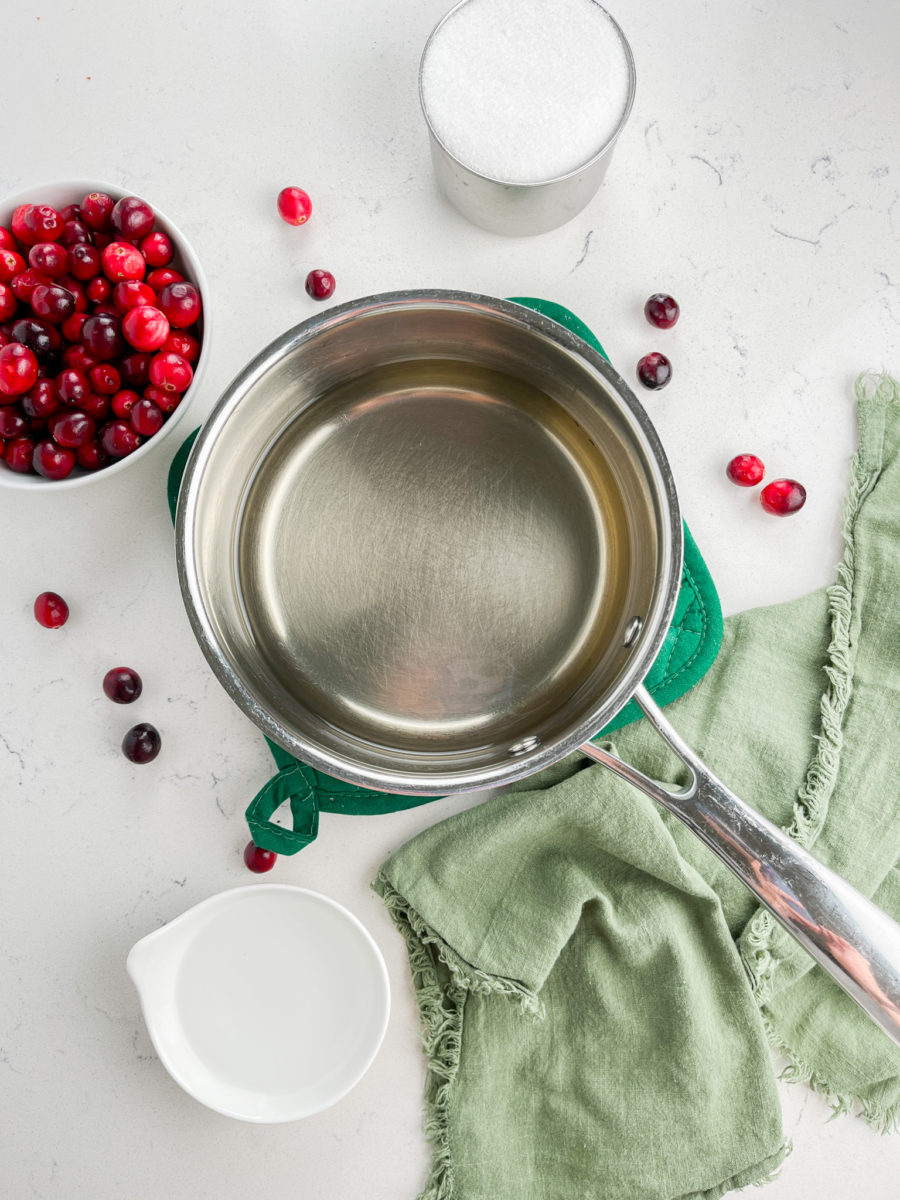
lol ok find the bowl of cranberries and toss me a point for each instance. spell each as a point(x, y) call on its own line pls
point(104, 332)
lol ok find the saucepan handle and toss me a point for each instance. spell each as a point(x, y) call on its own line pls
point(850, 937)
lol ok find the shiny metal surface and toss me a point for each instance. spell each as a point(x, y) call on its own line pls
point(519, 210)
point(412, 534)
point(856, 942)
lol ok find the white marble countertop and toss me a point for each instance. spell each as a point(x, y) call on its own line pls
point(758, 180)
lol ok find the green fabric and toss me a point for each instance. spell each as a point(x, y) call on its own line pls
point(655, 978)
point(690, 646)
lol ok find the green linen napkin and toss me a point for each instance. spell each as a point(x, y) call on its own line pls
point(596, 990)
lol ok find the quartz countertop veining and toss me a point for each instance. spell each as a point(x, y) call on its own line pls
point(757, 180)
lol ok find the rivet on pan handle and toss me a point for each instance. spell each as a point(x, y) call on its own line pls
point(850, 937)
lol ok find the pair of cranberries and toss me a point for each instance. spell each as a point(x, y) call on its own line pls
point(654, 369)
point(781, 497)
point(98, 334)
point(122, 685)
point(295, 207)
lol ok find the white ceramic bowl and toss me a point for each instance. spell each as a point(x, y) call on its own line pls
point(72, 191)
point(266, 1003)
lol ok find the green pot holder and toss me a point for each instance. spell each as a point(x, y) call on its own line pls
point(688, 651)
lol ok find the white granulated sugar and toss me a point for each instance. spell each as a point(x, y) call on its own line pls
point(525, 90)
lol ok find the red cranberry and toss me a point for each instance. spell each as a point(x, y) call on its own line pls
point(145, 327)
point(19, 453)
point(50, 610)
point(96, 211)
point(123, 402)
point(654, 370)
point(74, 232)
point(49, 258)
point(122, 685)
point(12, 423)
point(782, 497)
point(258, 860)
point(662, 310)
point(122, 261)
point(39, 336)
point(167, 401)
point(146, 417)
point(99, 290)
point(72, 212)
point(52, 302)
point(135, 369)
point(9, 305)
point(18, 371)
point(320, 284)
point(746, 470)
point(105, 379)
point(294, 206)
point(101, 335)
point(77, 358)
point(170, 372)
point(76, 287)
point(33, 223)
point(41, 400)
point(141, 743)
point(181, 304)
point(97, 406)
point(72, 326)
point(84, 261)
point(131, 293)
point(157, 249)
point(132, 217)
point(72, 387)
point(7, 241)
point(72, 429)
point(25, 282)
point(118, 439)
point(162, 277)
point(53, 461)
point(184, 344)
point(11, 265)
point(91, 456)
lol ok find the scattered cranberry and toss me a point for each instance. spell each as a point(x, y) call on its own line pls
point(320, 284)
point(50, 610)
point(131, 293)
point(118, 439)
point(121, 261)
point(181, 304)
point(41, 400)
point(258, 860)
point(294, 206)
point(52, 302)
point(132, 217)
point(72, 429)
point(18, 371)
point(83, 261)
point(782, 497)
point(147, 418)
point(157, 249)
point(96, 211)
point(662, 310)
point(654, 370)
point(19, 454)
point(170, 372)
point(141, 743)
point(122, 685)
point(746, 470)
point(53, 461)
point(145, 327)
point(49, 258)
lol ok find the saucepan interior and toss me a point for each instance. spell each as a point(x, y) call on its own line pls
point(414, 535)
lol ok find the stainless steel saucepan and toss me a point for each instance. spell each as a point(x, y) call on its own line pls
point(429, 542)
